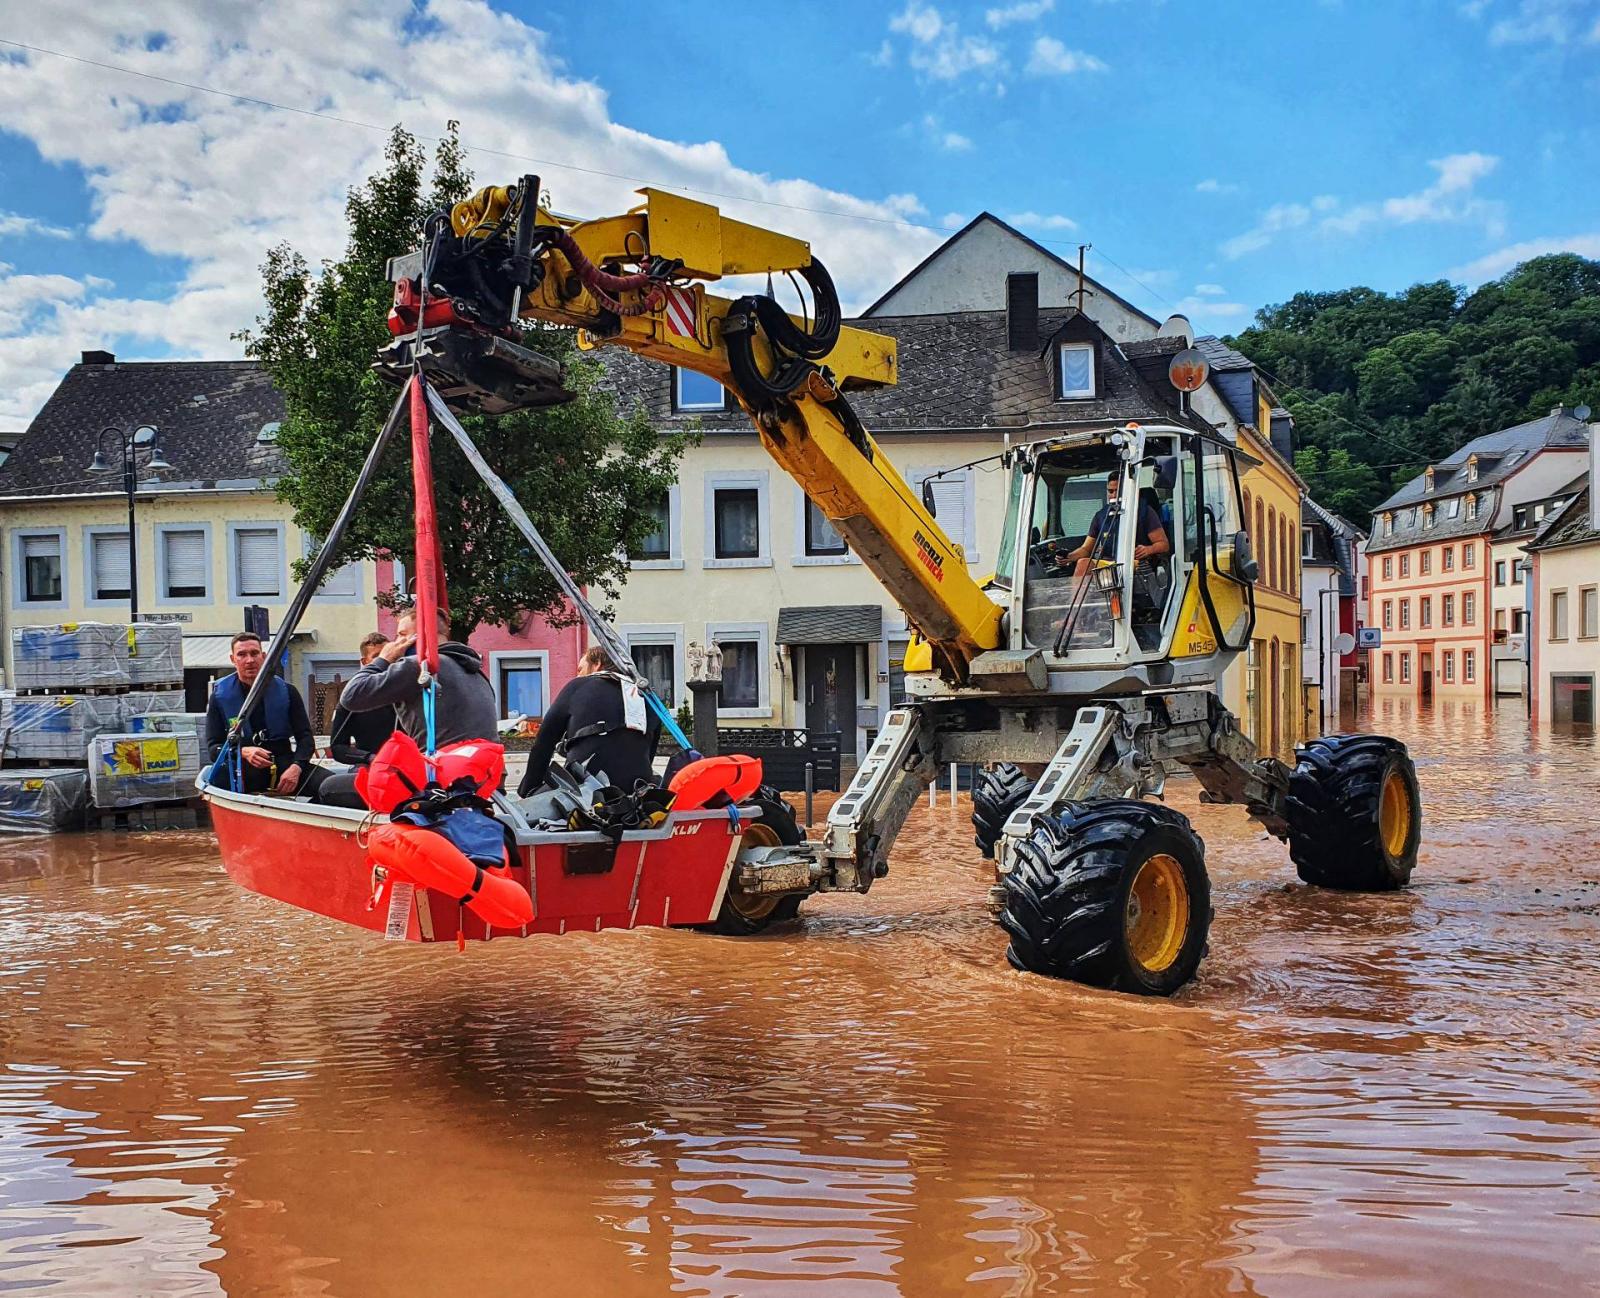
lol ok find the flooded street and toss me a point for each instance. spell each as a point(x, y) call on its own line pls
point(204, 1092)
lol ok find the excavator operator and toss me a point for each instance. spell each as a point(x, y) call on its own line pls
point(1150, 543)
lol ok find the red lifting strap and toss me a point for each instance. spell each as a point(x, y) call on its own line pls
point(429, 575)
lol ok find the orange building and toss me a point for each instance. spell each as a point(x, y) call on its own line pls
point(1431, 555)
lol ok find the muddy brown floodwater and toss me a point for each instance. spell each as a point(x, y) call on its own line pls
point(203, 1092)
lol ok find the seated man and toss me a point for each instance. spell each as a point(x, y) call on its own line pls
point(1150, 541)
point(598, 724)
point(464, 702)
point(276, 740)
point(355, 736)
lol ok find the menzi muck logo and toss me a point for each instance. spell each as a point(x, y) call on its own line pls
point(932, 560)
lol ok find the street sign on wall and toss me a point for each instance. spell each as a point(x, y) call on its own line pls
point(1370, 637)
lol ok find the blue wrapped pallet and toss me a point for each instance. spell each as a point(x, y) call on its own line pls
point(42, 801)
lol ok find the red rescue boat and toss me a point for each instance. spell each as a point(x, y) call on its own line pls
point(318, 859)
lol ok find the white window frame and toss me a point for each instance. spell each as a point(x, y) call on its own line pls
point(1469, 608)
point(514, 658)
point(670, 633)
point(1469, 667)
point(968, 541)
point(731, 480)
point(355, 567)
point(162, 585)
point(254, 525)
point(88, 534)
point(1588, 628)
point(804, 560)
point(1560, 626)
point(761, 633)
point(1064, 393)
point(674, 557)
point(19, 581)
point(1308, 543)
point(696, 407)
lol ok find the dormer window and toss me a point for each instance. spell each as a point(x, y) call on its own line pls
point(1427, 479)
point(1455, 507)
point(694, 392)
point(1075, 371)
point(1472, 471)
point(1472, 506)
point(1427, 515)
point(1388, 524)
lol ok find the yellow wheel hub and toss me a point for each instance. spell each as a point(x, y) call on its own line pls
point(756, 907)
point(1395, 814)
point(1157, 918)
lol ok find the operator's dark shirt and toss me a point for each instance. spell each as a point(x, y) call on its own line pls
point(1149, 525)
point(624, 755)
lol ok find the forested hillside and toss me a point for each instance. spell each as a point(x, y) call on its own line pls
point(1382, 384)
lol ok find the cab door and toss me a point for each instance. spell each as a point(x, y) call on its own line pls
point(1218, 612)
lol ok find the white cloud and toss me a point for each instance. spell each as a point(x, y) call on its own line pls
point(215, 183)
point(954, 220)
point(1450, 198)
point(1042, 221)
point(939, 50)
point(1026, 11)
point(13, 224)
point(884, 57)
point(1495, 264)
point(949, 141)
point(1544, 22)
point(1206, 309)
point(922, 22)
point(1214, 186)
point(1209, 290)
point(1050, 58)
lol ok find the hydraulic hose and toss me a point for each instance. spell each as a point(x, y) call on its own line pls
point(794, 349)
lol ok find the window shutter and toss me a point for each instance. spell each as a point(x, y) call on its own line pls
point(41, 547)
point(950, 505)
point(257, 556)
point(186, 560)
point(111, 567)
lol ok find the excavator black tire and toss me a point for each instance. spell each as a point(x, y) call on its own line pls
point(747, 916)
point(997, 791)
point(1355, 813)
point(1113, 894)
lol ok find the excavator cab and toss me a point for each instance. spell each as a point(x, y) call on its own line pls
point(1123, 546)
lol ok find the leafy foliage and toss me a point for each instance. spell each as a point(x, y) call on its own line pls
point(1381, 385)
point(587, 476)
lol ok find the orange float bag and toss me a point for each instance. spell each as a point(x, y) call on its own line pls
point(397, 771)
point(429, 860)
point(734, 777)
point(479, 760)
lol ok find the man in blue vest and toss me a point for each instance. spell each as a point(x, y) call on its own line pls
point(276, 739)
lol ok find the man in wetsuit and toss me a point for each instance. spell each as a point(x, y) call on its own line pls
point(276, 740)
point(604, 723)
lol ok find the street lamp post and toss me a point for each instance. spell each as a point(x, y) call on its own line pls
point(130, 442)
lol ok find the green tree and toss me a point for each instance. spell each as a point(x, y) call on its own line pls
point(586, 474)
point(1392, 382)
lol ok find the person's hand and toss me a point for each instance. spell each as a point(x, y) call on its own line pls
point(1142, 552)
point(395, 650)
point(260, 758)
point(289, 780)
point(1063, 559)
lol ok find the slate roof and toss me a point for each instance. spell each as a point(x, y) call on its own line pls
point(1222, 357)
point(1570, 526)
point(209, 414)
point(1511, 531)
point(1499, 455)
point(956, 375)
point(1334, 541)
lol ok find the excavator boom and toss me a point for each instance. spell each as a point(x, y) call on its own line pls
point(638, 281)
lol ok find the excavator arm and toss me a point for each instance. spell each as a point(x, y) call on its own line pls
point(638, 281)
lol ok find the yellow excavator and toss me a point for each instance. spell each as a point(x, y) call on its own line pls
point(1075, 675)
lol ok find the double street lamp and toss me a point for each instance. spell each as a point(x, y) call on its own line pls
point(132, 443)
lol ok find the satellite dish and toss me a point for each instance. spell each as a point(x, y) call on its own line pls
point(1344, 643)
point(1581, 414)
point(1188, 369)
point(1177, 326)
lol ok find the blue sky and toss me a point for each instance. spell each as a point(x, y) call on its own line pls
point(1218, 156)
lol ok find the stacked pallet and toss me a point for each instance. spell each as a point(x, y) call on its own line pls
point(41, 801)
point(87, 694)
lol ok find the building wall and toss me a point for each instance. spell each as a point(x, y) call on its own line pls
point(969, 274)
point(693, 596)
point(1571, 569)
point(1321, 625)
point(337, 623)
point(1264, 687)
point(1508, 654)
point(1415, 573)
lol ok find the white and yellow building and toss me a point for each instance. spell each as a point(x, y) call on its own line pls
point(211, 538)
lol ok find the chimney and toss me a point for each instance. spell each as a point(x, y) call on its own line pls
point(1022, 311)
point(99, 358)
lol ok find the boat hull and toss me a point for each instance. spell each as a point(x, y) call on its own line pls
point(315, 858)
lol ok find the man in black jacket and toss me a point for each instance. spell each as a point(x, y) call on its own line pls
point(276, 744)
point(592, 715)
point(355, 736)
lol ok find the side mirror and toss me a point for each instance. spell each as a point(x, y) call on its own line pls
point(927, 497)
point(1245, 566)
